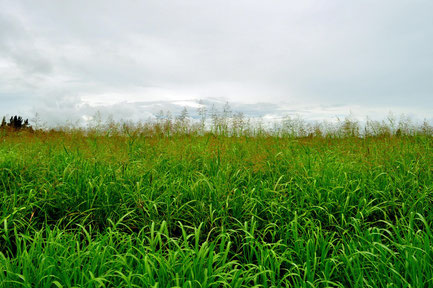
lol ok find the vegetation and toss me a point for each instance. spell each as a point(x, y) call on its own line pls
point(15, 123)
point(172, 204)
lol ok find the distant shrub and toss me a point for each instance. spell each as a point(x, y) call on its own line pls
point(16, 123)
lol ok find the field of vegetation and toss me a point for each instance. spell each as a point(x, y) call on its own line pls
point(154, 206)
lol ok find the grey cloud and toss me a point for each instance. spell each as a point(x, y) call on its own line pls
point(19, 46)
point(61, 112)
point(313, 55)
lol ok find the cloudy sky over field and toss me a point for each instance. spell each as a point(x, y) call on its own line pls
point(318, 59)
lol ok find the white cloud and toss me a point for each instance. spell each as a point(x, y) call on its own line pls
point(318, 58)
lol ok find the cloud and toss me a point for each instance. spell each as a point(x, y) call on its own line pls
point(67, 59)
point(62, 113)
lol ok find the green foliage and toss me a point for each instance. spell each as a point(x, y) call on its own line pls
point(129, 210)
point(15, 122)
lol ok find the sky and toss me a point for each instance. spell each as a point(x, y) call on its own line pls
point(66, 60)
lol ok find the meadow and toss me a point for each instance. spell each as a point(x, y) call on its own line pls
point(146, 208)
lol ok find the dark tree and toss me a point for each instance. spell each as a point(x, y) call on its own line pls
point(16, 122)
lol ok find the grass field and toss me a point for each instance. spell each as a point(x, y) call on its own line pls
point(192, 210)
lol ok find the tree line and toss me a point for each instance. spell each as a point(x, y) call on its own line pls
point(16, 123)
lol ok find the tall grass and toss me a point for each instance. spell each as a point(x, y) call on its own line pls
point(175, 205)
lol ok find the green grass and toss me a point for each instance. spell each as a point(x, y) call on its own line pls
point(215, 211)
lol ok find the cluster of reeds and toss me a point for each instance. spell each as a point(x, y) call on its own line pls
point(228, 123)
point(194, 204)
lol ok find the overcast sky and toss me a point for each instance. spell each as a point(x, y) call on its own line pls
point(319, 59)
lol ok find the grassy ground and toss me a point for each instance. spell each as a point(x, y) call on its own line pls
point(215, 211)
